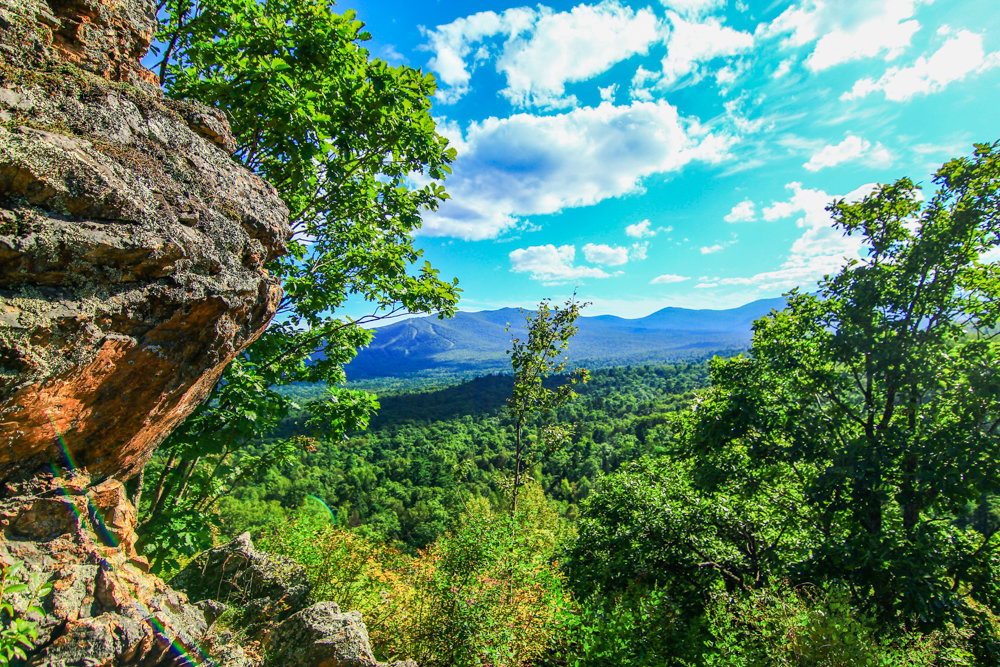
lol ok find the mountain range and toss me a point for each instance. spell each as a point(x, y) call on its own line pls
point(477, 343)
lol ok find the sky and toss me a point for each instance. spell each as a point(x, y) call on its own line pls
point(679, 152)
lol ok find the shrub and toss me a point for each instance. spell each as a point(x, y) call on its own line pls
point(17, 633)
point(486, 593)
point(782, 625)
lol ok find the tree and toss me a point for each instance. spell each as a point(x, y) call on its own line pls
point(881, 394)
point(534, 358)
point(351, 146)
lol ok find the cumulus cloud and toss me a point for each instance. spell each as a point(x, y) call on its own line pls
point(850, 149)
point(693, 7)
point(572, 46)
point(742, 212)
point(541, 50)
point(961, 55)
point(452, 46)
point(640, 230)
point(846, 30)
point(692, 43)
point(552, 264)
point(712, 249)
point(820, 250)
point(524, 165)
point(605, 254)
point(668, 279)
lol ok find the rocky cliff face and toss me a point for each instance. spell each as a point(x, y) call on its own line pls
point(132, 253)
point(132, 246)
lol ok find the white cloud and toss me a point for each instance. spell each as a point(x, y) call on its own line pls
point(711, 249)
point(452, 45)
point(742, 212)
point(524, 165)
point(638, 251)
point(694, 42)
point(551, 264)
point(640, 230)
point(605, 254)
point(541, 50)
point(668, 279)
point(784, 67)
point(820, 250)
point(850, 149)
point(642, 80)
point(958, 57)
point(810, 203)
point(736, 114)
point(693, 7)
point(608, 93)
point(846, 30)
point(573, 46)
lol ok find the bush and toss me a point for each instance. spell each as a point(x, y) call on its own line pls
point(17, 633)
point(639, 627)
point(781, 625)
point(486, 593)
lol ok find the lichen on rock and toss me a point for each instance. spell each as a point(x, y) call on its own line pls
point(132, 246)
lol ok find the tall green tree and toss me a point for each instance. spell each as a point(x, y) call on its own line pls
point(881, 394)
point(350, 144)
point(534, 356)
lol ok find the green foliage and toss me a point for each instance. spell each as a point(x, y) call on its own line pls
point(779, 625)
point(641, 626)
point(854, 448)
point(17, 633)
point(534, 357)
point(653, 526)
point(882, 394)
point(427, 453)
point(351, 146)
point(485, 593)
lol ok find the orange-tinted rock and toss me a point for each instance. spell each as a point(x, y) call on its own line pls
point(132, 246)
point(102, 606)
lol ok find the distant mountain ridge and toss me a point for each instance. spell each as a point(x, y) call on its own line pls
point(477, 343)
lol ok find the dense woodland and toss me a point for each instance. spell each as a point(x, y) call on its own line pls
point(425, 453)
point(822, 499)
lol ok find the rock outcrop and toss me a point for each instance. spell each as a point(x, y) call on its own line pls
point(104, 608)
point(132, 255)
point(132, 246)
point(264, 587)
point(268, 595)
point(323, 636)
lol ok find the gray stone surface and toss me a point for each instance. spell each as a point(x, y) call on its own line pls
point(322, 636)
point(266, 588)
point(132, 246)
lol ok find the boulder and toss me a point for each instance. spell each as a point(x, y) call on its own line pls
point(132, 255)
point(265, 588)
point(132, 246)
point(322, 636)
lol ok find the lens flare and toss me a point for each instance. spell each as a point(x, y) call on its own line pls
point(94, 527)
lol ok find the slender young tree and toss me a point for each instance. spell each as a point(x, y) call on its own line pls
point(539, 353)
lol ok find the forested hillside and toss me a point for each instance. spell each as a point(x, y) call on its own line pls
point(810, 479)
point(426, 454)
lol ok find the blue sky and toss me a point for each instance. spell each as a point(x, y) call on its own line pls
point(680, 152)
